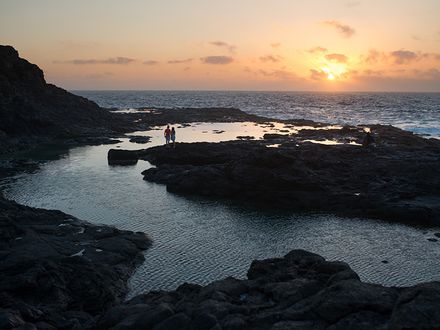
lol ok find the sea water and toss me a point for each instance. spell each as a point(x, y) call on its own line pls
point(417, 112)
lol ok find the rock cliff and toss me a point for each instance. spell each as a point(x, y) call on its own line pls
point(31, 109)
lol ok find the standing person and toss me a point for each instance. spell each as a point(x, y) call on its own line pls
point(173, 136)
point(167, 135)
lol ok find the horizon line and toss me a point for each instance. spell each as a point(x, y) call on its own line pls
point(246, 91)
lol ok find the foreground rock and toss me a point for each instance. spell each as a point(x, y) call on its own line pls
point(299, 291)
point(398, 179)
point(57, 272)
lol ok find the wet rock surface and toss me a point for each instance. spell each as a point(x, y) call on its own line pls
point(397, 178)
point(300, 291)
point(57, 272)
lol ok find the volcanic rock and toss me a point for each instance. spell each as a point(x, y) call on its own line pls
point(398, 179)
point(300, 291)
point(57, 271)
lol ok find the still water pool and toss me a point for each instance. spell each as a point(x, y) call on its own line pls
point(198, 240)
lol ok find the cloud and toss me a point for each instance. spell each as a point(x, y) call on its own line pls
point(277, 74)
point(111, 60)
point(223, 44)
point(317, 50)
point(188, 60)
point(430, 74)
point(150, 62)
point(398, 57)
point(374, 73)
point(345, 30)
point(337, 58)
point(99, 75)
point(374, 56)
point(352, 4)
point(317, 74)
point(403, 56)
point(217, 60)
point(271, 58)
point(415, 80)
point(278, 44)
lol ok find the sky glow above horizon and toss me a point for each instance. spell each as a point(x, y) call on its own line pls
point(315, 45)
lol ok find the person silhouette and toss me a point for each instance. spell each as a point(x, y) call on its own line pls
point(173, 136)
point(368, 139)
point(167, 135)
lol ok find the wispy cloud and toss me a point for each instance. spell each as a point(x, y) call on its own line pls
point(345, 30)
point(217, 60)
point(275, 45)
point(398, 57)
point(352, 4)
point(374, 56)
point(374, 73)
point(279, 74)
point(432, 73)
point(188, 60)
point(150, 62)
point(271, 58)
point(317, 74)
point(222, 44)
point(337, 58)
point(99, 75)
point(403, 56)
point(317, 49)
point(111, 60)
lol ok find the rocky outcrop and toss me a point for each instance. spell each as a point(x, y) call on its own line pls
point(57, 272)
point(122, 157)
point(299, 291)
point(32, 110)
point(398, 179)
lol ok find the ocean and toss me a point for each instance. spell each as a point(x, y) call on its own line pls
point(416, 112)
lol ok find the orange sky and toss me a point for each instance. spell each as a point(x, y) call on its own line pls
point(328, 45)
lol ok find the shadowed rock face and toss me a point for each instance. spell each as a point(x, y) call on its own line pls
point(57, 272)
point(399, 179)
point(299, 291)
point(31, 107)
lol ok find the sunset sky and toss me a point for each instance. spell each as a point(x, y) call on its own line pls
point(328, 45)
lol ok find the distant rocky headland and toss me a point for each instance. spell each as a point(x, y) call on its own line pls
point(59, 272)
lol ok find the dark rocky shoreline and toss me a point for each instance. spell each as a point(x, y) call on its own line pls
point(299, 291)
point(57, 272)
point(397, 179)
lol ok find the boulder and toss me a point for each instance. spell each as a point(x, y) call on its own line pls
point(122, 157)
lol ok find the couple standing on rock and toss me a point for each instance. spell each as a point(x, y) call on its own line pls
point(170, 134)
